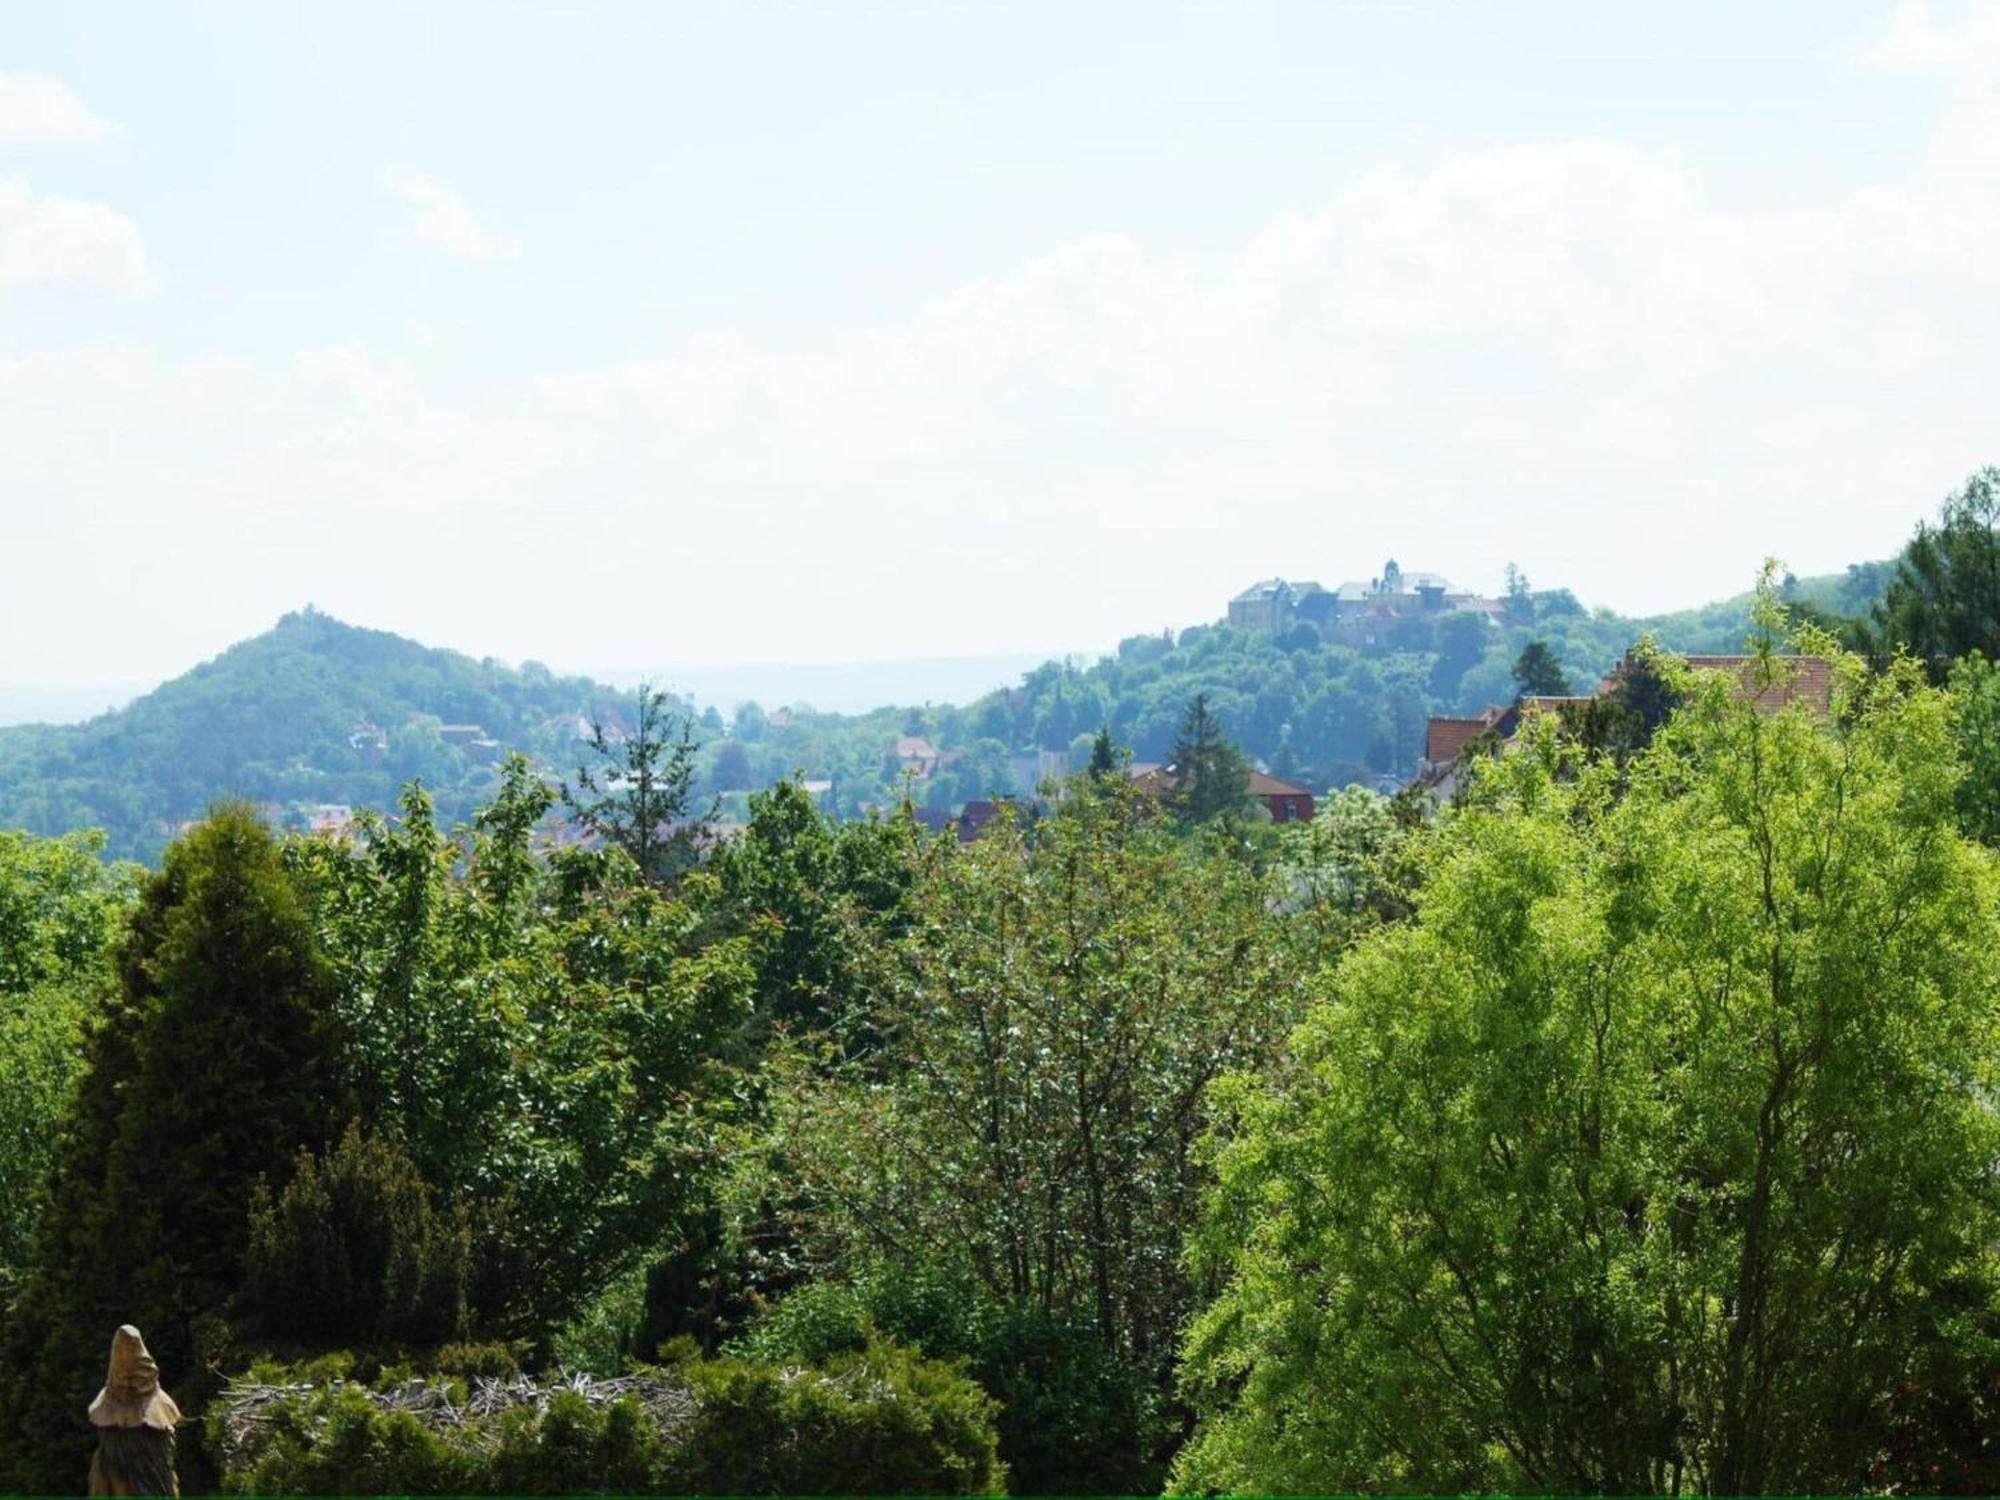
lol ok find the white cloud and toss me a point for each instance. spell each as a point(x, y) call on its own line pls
point(1580, 356)
point(67, 243)
point(1923, 37)
point(39, 111)
point(439, 219)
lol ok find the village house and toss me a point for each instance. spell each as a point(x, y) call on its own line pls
point(1448, 738)
point(1285, 802)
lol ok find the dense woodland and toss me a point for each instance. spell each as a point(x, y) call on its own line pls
point(289, 719)
point(1624, 1124)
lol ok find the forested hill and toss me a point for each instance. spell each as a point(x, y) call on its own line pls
point(315, 717)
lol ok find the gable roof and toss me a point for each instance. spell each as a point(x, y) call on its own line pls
point(1445, 738)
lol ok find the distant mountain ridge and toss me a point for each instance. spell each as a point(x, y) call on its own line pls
point(316, 717)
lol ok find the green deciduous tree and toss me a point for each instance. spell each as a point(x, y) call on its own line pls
point(1027, 1124)
point(538, 1037)
point(1656, 1154)
point(60, 908)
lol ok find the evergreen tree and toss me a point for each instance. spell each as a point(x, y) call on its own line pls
point(1538, 672)
point(209, 1071)
point(1943, 600)
point(639, 795)
point(1212, 776)
point(1103, 753)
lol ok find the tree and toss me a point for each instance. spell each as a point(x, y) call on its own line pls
point(1538, 673)
point(212, 1067)
point(1655, 1154)
point(809, 894)
point(1027, 1126)
point(1943, 599)
point(1211, 776)
point(1103, 754)
point(1520, 600)
point(538, 1037)
point(640, 795)
point(354, 1252)
point(61, 905)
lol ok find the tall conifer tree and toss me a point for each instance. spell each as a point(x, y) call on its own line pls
point(209, 1071)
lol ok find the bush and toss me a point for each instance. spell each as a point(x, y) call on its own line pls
point(882, 1421)
point(1074, 1418)
point(354, 1252)
point(879, 1421)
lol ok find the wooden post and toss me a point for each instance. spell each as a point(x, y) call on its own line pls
point(135, 1421)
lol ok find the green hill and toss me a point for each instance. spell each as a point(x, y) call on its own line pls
point(316, 715)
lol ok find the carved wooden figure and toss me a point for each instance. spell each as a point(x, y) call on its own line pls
point(135, 1420)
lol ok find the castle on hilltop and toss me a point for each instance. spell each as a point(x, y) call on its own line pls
point(1355, 608)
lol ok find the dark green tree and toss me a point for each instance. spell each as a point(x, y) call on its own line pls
point(1103, 754)
point(355, 1252)
point(211, 1068)
point(1211, 775)
point(1943, 599)
point(639, 797)
point(1538, 673)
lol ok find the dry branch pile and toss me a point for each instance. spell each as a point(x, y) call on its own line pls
point(462, 1408)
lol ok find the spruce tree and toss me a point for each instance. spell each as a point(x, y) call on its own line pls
point(1538, 672)
point(1211, 775)
point(1103, 754)
point(212, 1067)
point(640, 795)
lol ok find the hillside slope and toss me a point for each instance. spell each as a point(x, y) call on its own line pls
point(316, 715)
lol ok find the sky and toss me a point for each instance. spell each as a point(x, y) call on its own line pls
point(649, 336)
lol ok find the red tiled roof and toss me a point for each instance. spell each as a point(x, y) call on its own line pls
point(1269, 786)
point(1445, 738)
point(1157, 780)
point(1799, 679)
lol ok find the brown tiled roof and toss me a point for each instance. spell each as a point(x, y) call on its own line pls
point(1157, 780)
point(1269, 786)
point(1800, 679)
point(1445, 738)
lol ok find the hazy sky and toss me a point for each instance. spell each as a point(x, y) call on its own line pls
point(620, 335)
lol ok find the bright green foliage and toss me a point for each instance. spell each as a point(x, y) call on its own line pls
point(539, 1038)
point(1343, 872)
point(354, 1252)
point(207, 1073)
point(1026, 1126)
point(1654, 1154)
point(1975, 699)
point(1943, 599)
point(1212, 776)
point(60, 906)
point(876, 1421)
point(881, 1421)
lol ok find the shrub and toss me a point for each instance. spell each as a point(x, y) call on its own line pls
point(879, 1421)
point(883, 1421)
point(1073, 1417)
point(353, 1252)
